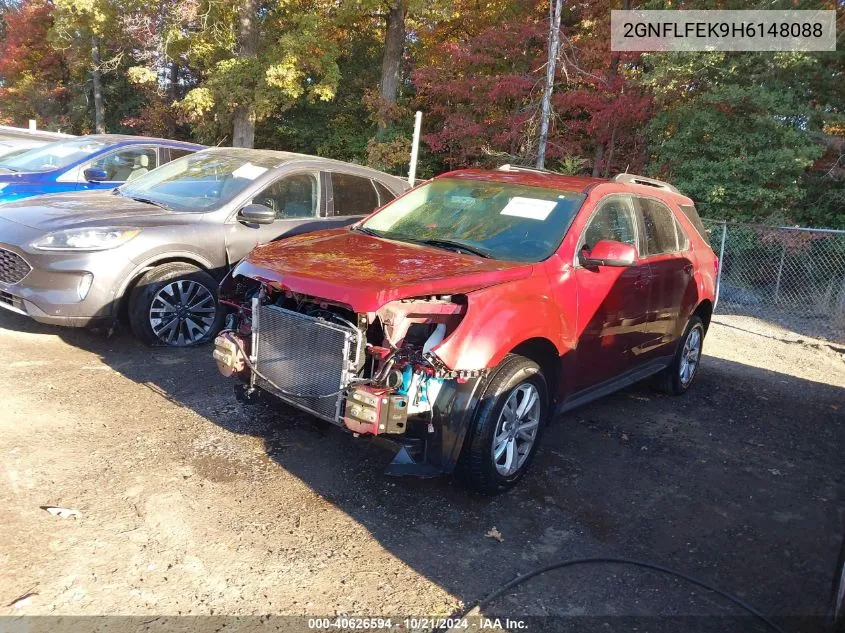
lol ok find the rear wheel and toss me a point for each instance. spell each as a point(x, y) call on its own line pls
point(678, 376)
point(175, 305)
point(507, 425)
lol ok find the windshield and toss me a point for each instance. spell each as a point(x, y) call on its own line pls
point(504, 221)
point(52, 156)
point(198, 182)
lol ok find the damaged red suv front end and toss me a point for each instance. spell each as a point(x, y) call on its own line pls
point(445, 323)
point(362, 347)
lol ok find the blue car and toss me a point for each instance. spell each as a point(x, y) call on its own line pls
point(100, 161)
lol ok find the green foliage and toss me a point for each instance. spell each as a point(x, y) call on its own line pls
point(740, 152)
point(735, 131)
point(294, 60)
point(570, 165)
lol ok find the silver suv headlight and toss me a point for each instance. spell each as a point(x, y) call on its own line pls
point(93, 239)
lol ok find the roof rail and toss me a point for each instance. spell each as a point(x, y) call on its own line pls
point(633, 179)
point(509, 167)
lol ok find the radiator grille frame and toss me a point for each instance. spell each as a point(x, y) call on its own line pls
point(304, 354)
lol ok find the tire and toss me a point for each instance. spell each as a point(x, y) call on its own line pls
point(513, 380)
point(192, 295)
point(674, 380)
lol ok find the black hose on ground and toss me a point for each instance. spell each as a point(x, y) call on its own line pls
point(484, 602)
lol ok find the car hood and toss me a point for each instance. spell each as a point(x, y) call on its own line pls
point(69, 210)
point(367, 272)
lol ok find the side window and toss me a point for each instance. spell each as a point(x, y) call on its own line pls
point(692, 215)
point(660, 227)
point(176, 152)
point(384, 194)
point(127, 164)
point(614, 220)
point(353, 195)
point(293, 196)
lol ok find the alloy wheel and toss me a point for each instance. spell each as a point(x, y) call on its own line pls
point(516, 429)
point(690, 355)
point(182, 312)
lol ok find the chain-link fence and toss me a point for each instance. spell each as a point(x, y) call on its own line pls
point(791, 276)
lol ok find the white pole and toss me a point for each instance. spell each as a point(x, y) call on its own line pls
point(415, 148)
point(33, 125)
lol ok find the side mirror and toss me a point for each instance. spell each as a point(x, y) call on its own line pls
point(257, 214)
point(609, 253)
point(95, 175)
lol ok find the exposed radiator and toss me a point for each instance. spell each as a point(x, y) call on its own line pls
point(301, 354)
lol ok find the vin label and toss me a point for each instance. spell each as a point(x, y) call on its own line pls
point(680, 31)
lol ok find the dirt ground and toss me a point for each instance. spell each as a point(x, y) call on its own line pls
point(191, 504)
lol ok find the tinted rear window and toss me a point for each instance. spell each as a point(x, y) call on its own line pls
point(692, 215)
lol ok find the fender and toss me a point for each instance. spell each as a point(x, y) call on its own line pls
point(185, 256)
point(498, 319)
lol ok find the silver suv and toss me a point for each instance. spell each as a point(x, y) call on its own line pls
point(163, 241)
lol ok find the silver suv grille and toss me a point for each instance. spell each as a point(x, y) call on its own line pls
point(13, 267)
point(301, 354)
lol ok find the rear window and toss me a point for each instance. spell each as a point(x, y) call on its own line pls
point(692, 215)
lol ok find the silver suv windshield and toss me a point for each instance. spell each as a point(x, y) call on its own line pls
point(198, 182)
point(52, 156)
point(503, 221)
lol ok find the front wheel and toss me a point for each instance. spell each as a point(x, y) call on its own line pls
point(678, 376)
point(175, 305)
point(507, 425)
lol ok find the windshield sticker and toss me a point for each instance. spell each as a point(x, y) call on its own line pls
point(530, 208)
point(249, 171)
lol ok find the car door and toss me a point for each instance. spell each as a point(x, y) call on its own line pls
point(667, 253)
point(351, 197)
point(613, 302)
point(297, 201)
point(121, 165)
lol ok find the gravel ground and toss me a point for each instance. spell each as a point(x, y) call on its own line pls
point(190, 504)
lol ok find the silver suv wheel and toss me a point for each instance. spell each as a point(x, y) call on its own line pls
point(516, 429)
point(690, 355)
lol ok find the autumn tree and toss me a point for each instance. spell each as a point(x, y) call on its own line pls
point(79, 28)
point(257, 59)
point(35, 76)
point(158, 32)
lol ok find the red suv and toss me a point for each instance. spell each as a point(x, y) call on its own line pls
point(455, 321)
